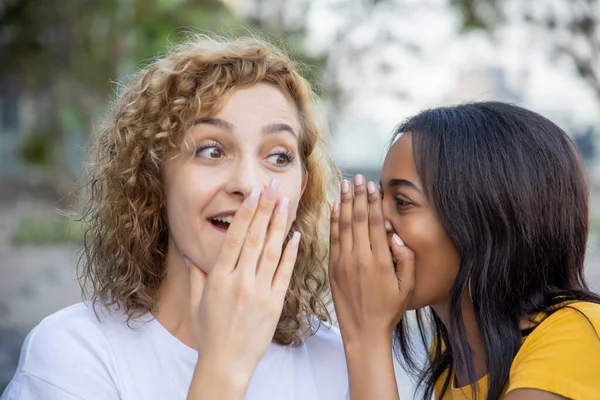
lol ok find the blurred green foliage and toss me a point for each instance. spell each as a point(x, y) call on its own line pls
point(47, 230)
point(68, 54)
point(35, 150)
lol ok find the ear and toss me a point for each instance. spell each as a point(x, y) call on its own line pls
point(304, 183)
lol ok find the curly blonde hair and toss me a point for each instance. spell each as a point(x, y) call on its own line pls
point(123, 260)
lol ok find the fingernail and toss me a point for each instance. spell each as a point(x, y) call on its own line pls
point(273, 188)
point(336, 207)
point(296, 239)
point(252, 200)
point(345, 186)
point(371, 187)
point(283, 205)
point(397, 239)
point(388, 226)
point(359, 179)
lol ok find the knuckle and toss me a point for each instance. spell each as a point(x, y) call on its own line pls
point(271, 254)
point(287, 257)
point(361, 261)
point(253, 239)
point(334, 240)
point(285, 277)
point(373, 198)
point(244, 290)
point(266, 206)
point(279, 223)
point(244, 212)
point(235, 240)
point(220, 281)
point(346, 197)
point(345, 225)
point(359, 215)
point(334, 272)
point(359, 190)
point(335, 217)
point(376, 219)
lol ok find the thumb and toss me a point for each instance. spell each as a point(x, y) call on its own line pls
point(405, 264)
point(197, 282)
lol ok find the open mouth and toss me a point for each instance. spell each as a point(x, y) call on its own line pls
point(221, 223)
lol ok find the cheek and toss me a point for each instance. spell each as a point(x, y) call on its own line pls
point(292, 189)
point(436, 259)
point(186, 195)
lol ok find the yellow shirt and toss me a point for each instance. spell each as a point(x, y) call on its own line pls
point(560, 356)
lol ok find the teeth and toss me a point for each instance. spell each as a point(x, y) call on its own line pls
point(224, 219)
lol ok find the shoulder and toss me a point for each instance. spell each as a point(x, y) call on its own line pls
point(73, 329)
point(326, 341)
point(562, 354)
point(577, 322)
point(69, 351)
point(325, 351)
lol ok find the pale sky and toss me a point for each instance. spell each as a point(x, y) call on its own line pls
point(431, 78)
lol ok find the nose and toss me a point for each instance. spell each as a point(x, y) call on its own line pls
point(385, 208)
point(244, 176)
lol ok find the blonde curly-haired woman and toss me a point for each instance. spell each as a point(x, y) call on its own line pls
point(208, 187)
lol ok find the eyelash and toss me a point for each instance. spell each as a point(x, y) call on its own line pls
point(401, 202)
point(288, 155)
point(207, 145)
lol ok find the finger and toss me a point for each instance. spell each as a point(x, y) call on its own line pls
point(236, 233)
point(389, 229)
point(405, 265)
point(334, 236)
point(283, 275)
point(257, 231)
point(274, 246)
point(360, 216)
point(197, 283)
point(377, 229)
point(345, 225)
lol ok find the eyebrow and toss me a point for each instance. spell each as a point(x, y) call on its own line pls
point(393, 183)
point(267, 129)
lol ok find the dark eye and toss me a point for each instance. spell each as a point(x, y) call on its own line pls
point(281, 159)
point(401, 202)
point(210, 152)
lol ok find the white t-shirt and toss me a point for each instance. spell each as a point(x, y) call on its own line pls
point(71, 355)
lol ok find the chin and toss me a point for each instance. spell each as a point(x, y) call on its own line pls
point(416, 303)
point(205, 262)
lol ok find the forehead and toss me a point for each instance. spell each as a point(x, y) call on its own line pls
point(259, 105)
point(399, 162)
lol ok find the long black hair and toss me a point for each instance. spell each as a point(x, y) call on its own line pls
point(511, 191)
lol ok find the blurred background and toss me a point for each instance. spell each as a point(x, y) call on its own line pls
point(374, 63)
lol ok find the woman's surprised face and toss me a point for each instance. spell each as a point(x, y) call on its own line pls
point(250, 142)
point(415, 220)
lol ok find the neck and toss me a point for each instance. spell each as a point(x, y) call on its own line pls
point(173, 311)
point(474, 339)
